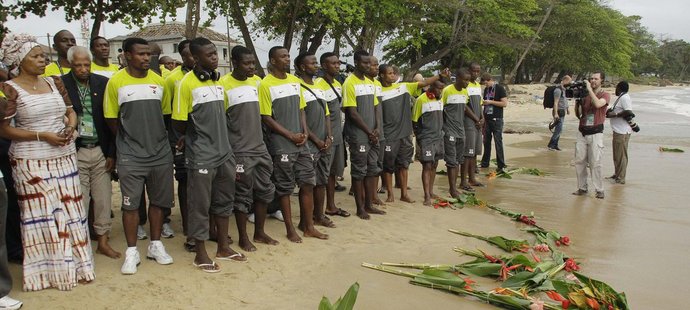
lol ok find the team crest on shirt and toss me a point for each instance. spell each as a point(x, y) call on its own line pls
point(451, 139)
point(154, 88)
point(125, 200)
point(284, 158)
point(362, 149)
point(239, 168)
point(427, 154)
point(203, 171)
point(471, 151)
point(388, 148)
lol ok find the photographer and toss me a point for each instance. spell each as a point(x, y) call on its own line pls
point(591, 111)
point(621, 116)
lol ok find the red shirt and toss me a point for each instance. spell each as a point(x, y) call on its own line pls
point(592, 120)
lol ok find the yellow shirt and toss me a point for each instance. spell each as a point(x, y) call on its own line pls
point(54, 70)
point(104, 71)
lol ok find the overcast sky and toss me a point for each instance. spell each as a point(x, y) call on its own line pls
point(664, 18)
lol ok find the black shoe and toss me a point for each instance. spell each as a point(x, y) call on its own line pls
point(339, 188)
point(381, 190)
point(484, 166)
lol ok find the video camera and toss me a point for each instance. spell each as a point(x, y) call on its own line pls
point(577, 89)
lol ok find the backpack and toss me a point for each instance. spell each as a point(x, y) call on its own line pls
point(548, 97)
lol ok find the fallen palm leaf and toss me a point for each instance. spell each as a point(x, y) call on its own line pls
point(671, 150)
point(505, 244)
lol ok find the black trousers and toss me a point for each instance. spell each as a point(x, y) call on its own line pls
point(493, 129)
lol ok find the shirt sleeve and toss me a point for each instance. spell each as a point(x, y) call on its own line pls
point(557, 95)
point(111, 107)
point(63, 92)
point(444, 96)
point(167, 98)
point(349, 98)
point(412, 88)
point(626, 103)
point(606, 96)
point(183, 102)
point(265, 102)
point(417, 109)
point(500, 93)
point(302, 102)
point(8, 106)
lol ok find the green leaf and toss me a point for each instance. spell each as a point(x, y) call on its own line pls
point(325, 304)
point(480, 269)
point(348, 301)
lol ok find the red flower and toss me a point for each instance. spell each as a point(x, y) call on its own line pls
point(571, 265)
point(565, 240)
point(592, 303)
point(526, 219)
point(565, 304)
point(555, 296)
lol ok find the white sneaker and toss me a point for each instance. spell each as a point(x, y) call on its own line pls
point(141, 233)
point(132, 260)
point(10, 303)
point(250, 218)
point(278, 215)
point(167, 232)
point(157, 252)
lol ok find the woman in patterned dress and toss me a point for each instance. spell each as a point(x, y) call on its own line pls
point(39, 119)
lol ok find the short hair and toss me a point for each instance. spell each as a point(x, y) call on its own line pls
point(196, 44)
point(384, 67)
point(300, 59)
point(93, 41)
point(129, 43)
point(272, 52)
point(623, 86)
point(238, 51)
point(182, 45)
point(77, 49)
point(601, 74)
point(486, 76)
point(326, 55)
point(461, 72)
point(474, 64)
point(359, 54)
point(58, 33)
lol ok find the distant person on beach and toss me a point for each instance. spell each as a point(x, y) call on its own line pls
point(454, 98)
point(495, 99)
point(589, 146)
point(474, 121)
point(427, 115)
point(62, 41)
point(560, 109)
point(617, 115)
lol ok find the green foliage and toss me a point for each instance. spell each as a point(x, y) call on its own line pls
point(675, 58)
point(346, 302)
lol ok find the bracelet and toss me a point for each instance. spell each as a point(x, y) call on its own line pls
point(37, 137)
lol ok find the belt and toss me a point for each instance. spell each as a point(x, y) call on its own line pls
point(89, 145)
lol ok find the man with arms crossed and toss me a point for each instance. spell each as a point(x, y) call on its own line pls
point(134, 106)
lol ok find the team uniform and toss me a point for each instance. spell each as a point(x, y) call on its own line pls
point(361, 94)
point(333, 96)
point(428, 114)
point(54, 69)
point(104, 71)
point(397, 125)
point(283, 100)
point(454, 102)
point(253, 164)
point(317, 111)
point(172, 82)
point(143, 153)
point(209, 159)
point(382, 134)
point(473, 136)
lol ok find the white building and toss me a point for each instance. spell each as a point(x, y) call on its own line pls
point(168, 35)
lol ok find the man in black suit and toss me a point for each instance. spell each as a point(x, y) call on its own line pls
point(96, 143)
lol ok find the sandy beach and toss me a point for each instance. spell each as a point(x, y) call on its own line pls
point(635, 239)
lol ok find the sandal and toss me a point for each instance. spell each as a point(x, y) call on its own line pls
point(477, 184)
point(206, 267)
point(190, 247)
point(324, 221)
point(237, 257)
point(467, 188)
point(339, 212)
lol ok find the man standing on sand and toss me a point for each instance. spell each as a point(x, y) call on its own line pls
point(62, 41)
point(560, 109)
point(427, 116)
point(372, 73)
point(474, 121)
point(362, 131)
point(495, 99)
point(100, 49)
point(135, 103)
point(589, 146)
point(454, 98)
point(281, 100)
point(199, 115)
point(253, 165)
point(617, 115)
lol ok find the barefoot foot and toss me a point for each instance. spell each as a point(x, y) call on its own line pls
point(406, 199)
point(265, 239)
point(374, 210)
point(247, 245)
point(363, 214)
point(315, 234)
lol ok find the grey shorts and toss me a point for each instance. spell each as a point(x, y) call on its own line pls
point(253, 181)
point(337, 160)
point(292, 169)
point(397, 154)
point(157, 179)
point(364, 161)
point(210, 191)
point(454, 148)
point(322, 163)
point(431, 151)
point(473, 142)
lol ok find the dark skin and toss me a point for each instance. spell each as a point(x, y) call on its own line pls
point(429, 168)
point(62, 41)
point(101, 52)
point(331, 68)
point(371, 73)
point(187, 58)
point(245, 67)
point(468, 167)
point(81, 70)
point(30, 69)
point(138, 66)
point(207, 59)
point(189, 63)
point(307, 70)
point(281, 66)
point(364, 190)
point(461, 83)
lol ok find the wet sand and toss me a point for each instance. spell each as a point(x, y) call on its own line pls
point(635, 240)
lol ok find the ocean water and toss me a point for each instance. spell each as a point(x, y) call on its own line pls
point(663, 116)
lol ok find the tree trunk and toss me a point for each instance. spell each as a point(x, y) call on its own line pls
point(97, 20)
point(440, 53)
point(192, 19)
point(336, 48)
point(304, 42)
point(289, 33)
point(238, 16)
point(531, 42)
point(317, 40)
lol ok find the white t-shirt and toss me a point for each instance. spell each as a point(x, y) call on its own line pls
point(619, 124)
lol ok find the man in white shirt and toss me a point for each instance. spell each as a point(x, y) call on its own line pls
point(618, 115)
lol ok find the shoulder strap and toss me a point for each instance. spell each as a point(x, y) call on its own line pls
point(619, 98)
point(312, 92)
point(335, 91)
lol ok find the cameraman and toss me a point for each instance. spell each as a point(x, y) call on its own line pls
point(591, 111)
point(560, 108)
point(619, 115)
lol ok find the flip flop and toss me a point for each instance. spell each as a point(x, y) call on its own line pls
point(237, 257)
point(467, 188)
point(478, 185)
point(339, 212)
point(203, 267)
point(189, 247)
point(325, 221)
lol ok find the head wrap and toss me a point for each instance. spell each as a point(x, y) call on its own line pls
point(15, 47)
